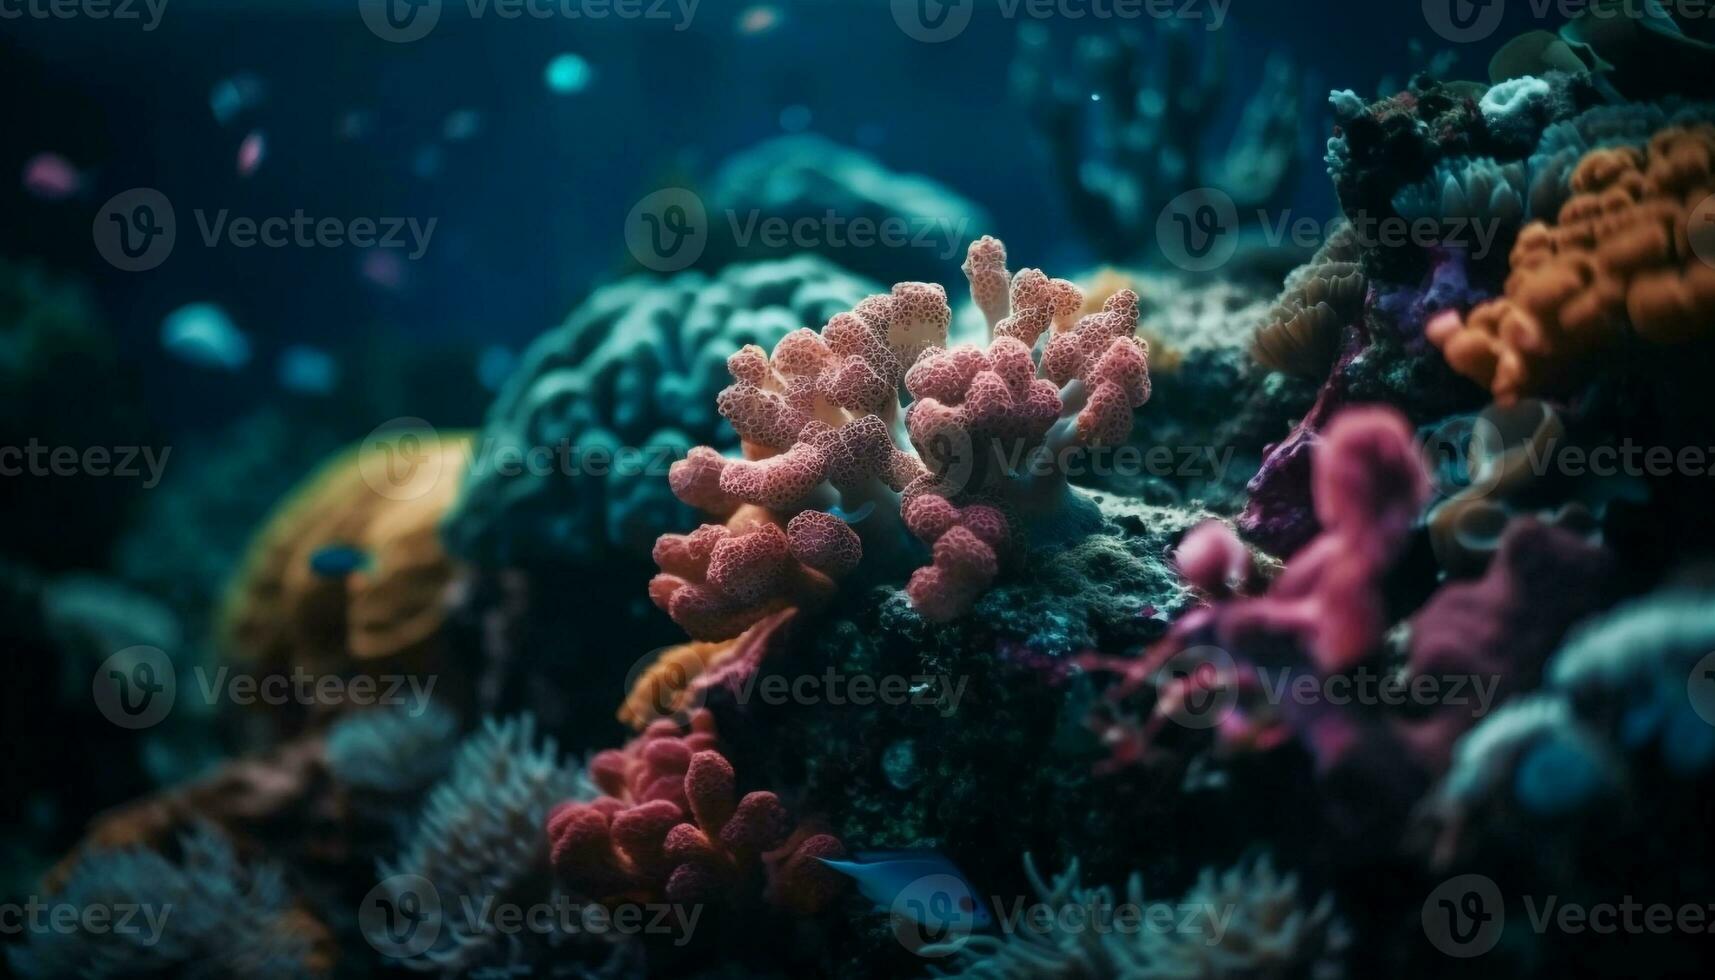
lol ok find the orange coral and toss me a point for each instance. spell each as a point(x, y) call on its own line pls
point(664, 687)
point(1621, 254)
point(281, 613)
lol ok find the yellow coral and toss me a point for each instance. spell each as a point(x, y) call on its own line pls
point(1621, 254)
point(281, 613)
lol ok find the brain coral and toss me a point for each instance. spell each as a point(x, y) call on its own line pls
point(283, 613)
point(636, 367)
point(1621, 255)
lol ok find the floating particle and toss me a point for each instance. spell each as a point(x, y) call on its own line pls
point(251, 152)
point(461, 125)
point(307, 370)
point(568, 74)
point(355, 125)
point(795, 118)
point(231, 96)
point(427, 163)
point(384, 268)
point(202, 334)
point(51, 177)
point(494, 365)
point(759, 19)
point(899, 763)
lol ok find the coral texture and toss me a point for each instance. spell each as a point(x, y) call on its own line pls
point(1621, 255)
point(574, 448)
point(1321, 299)
point(204, 916)
point(835, 468)
point(282, 612)
point(670, 824)
point(480, 839)
point(1250, 922)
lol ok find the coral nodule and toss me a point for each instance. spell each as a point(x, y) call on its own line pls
point(835, 470)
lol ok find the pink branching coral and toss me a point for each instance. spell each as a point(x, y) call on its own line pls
point(671, 825)
point(836, 468)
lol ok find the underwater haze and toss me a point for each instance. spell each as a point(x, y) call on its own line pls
point(1199, 489)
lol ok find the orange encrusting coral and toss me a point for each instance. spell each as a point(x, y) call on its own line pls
point(1621, 254)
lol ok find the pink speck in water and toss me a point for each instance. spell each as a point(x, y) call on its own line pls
point(51, 177)
point(384, 268)
point(251, 153)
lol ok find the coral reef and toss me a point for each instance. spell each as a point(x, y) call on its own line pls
point(1619, 256)
point(203, 915)
point(823, 426)
point(574, 450)
point(392, 751)
point(1302, 332)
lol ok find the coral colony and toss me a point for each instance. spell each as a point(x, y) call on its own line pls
point(1407, 666)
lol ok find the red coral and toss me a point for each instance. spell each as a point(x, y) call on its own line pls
point(672, 826)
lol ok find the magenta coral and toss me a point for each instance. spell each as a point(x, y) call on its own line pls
point(827, 439)
point(671, 825)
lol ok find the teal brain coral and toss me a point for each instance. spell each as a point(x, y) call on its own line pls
point(572, 465)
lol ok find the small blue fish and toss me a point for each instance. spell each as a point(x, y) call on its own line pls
point(338, 561)
point(921, 885)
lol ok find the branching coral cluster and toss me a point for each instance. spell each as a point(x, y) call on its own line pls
point(836, 469)
point(671, 825)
